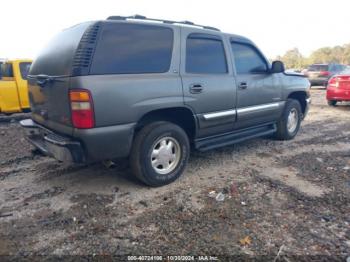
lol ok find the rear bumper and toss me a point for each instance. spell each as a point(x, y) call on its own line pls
point(85, 146)
point(338, 94)
point(60, 147)
point(318, 81)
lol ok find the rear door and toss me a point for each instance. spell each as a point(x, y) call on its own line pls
point(259, 93)
point(207, 77)
point(49, 79)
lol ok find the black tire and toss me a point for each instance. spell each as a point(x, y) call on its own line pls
point(141, 153)
point(332, 102)
point(282, 130)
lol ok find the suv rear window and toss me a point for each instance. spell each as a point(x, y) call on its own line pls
point(318, 68)
point(56, 59)
point(346, 71)
point(133, 49)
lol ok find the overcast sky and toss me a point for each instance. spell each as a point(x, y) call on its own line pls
point(274, 25)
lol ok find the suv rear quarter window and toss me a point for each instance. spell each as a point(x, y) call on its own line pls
point(133, 49)
point(205, 54)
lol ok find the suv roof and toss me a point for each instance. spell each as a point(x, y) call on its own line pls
point(141, 17)
point(71, 52)
point(144, 19)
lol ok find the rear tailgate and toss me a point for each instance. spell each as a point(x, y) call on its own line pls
point(315, 71)
point(49, 103)
point(313, 75)
point(344, 82)
point(49, 80)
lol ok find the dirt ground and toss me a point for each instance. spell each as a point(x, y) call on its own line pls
point(289, 201)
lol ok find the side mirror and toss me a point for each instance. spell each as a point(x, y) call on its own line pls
point(277, 67)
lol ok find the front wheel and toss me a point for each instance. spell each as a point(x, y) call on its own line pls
point(160, 153)
point(289, 124)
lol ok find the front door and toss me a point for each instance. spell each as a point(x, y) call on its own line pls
point(9, 101)
point(259, 93)
point(208, 83)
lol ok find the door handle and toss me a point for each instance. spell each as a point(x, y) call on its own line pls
point(243, 85)
point(196, 88)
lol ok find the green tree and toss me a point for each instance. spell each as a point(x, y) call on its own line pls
point(321, 55)
point(337, 54)
point(293, 59)
point(347, 54)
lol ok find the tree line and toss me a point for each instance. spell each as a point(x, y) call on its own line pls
point(338, 54)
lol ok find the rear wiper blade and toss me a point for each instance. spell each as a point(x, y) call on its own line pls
point(42, 79)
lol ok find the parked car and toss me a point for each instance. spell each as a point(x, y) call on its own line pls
point(338, 88)
point(13, 86)
point(151, 90)
point(319, 74)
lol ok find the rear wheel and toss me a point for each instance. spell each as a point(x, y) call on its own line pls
point(289, 124)
point(332, 102)
point(160, 153)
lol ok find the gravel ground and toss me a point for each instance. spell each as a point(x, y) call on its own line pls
point(287, 198)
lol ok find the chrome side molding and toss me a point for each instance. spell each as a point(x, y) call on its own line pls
point(210, 116)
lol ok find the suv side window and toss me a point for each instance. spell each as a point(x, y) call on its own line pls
point(247, 59)
point(133, 49)
point(205, 54)
point(6, 70)
point(24, 68)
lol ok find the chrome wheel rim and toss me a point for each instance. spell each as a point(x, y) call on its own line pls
point(166, 155)
point(293, 119)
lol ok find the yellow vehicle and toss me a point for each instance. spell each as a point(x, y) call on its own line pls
point(13, 86)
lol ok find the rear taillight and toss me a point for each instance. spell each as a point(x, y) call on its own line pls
point(333, 83)
point(82, 109)
point(339, 81)
point(343, 78)
point(324, 73)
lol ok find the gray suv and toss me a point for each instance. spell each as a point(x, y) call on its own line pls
point(151, 90)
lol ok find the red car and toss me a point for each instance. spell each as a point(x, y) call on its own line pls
point(338, 88)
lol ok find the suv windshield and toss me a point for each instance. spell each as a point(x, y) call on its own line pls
point(318, 68)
